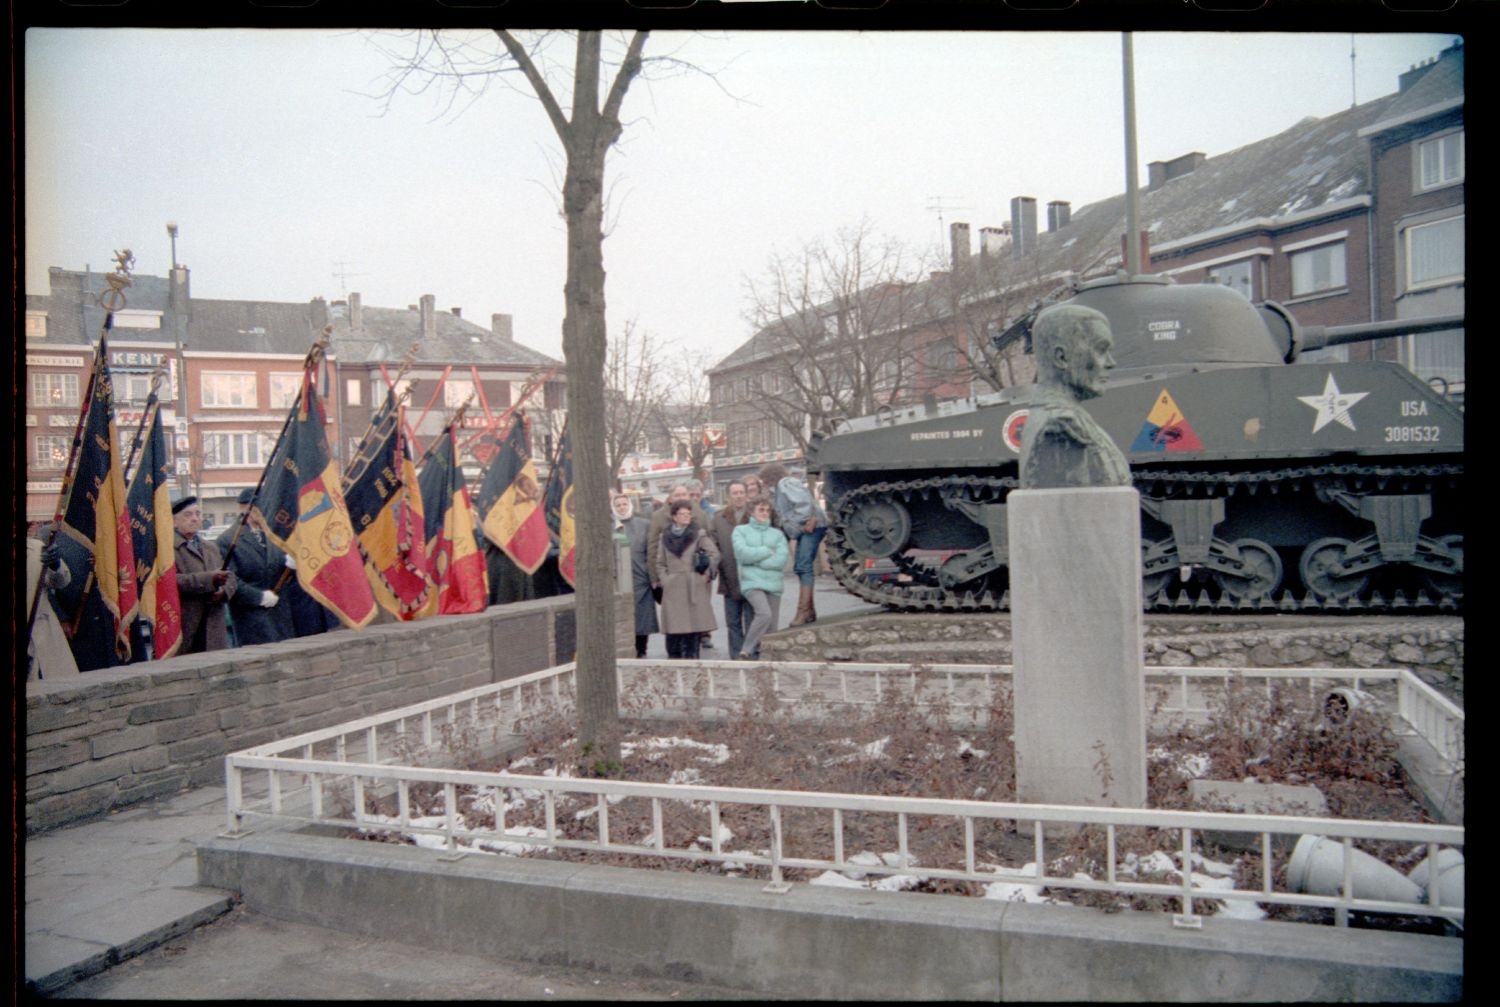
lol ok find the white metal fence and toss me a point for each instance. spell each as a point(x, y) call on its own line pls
point(327, 776)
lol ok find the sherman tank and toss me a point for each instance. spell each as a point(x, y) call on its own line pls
point(1264, 484)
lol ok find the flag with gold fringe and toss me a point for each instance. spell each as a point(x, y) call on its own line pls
point(456, 561)
point(385, 506)
point(510, 502)
point(304, 513)
point(152, 538)
point(95, 541)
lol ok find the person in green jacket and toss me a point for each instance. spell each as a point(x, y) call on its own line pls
point(760, 549)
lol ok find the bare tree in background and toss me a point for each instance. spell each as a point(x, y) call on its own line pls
point(833, 323)
point(581, 94)
point(634, 380)
point(686, 408)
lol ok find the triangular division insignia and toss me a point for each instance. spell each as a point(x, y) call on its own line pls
point(1166, 429)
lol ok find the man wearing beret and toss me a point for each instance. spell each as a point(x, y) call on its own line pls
point(257, 566)
point(201, 584)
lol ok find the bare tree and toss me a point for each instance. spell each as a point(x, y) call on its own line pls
point(833, 323)
point(686, 411)
point(634, 389)
point(583, 104)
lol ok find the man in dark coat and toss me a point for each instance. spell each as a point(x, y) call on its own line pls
point(256, 609)
point(635, 529)
point(737, 611)
point(201, 584)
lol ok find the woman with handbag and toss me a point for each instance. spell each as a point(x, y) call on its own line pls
point(685, 566)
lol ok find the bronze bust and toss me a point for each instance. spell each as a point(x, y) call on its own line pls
point(1061, 444)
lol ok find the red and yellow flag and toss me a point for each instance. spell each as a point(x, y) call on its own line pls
point(456, 561)
point(510, 500)
point(385, 506)
point(304, 513)
point(153, 541)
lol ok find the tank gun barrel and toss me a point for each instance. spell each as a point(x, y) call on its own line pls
point(1315, 337)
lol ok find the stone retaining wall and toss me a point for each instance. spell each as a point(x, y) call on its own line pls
point(113, 737)
point(1432, 646)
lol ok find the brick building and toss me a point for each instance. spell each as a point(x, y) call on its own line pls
point(242, 363)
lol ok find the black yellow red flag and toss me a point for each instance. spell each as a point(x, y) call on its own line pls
point(510, 502)
point(560, 509)
point(100, 603)
point(457, 563)
point(152, 538)
point(302, 508)
point(385, 507)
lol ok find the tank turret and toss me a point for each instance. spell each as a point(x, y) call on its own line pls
point(1265, 483)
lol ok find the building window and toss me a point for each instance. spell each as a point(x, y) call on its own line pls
point(456, 392)
point(1318, 269)
point(1439, 355)
point(352, 389)
point(54, 390)
point(1434, 253)
point(1440, 161)
point(285, 387)
point(1236, 276)
point(228, 391)
point(49, 451)
point(235, 450)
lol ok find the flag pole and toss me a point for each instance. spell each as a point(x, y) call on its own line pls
point(314, 355)
point(152, 402)
point(111, 300)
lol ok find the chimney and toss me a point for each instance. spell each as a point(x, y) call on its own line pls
point(958, 240)
point(1023, 226)
point(456, 312)
point(318, 313)
point(500, 325)
point(1156, 175)
point(993, 239)
point(429, 316)
point(356, 312)
point(1059, 211)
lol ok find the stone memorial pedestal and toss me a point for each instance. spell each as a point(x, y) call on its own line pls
point(1075, 590)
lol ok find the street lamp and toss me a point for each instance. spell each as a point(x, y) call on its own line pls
point(178, 303)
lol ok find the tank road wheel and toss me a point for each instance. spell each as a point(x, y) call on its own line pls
point(879, 527)
point(1259, 575)
point(1322, 571)
point(1447, 585)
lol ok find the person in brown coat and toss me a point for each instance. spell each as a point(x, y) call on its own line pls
point(201, 584)
point(687, 607)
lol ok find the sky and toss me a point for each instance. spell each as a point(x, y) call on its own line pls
point(289, 179)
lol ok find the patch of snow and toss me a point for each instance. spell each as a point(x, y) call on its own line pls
point(725, 835)
point(1229, 205)
point(874, 750)
point(1347, 187)
point(964, 746)
point(685, 776)
point(509, 848)
point(716, 753)
point(833, 879)
point(1195, 766)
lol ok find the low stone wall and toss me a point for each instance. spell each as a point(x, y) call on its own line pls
point(113, 737)
point(1432, 646)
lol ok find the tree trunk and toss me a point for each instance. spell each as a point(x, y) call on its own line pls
point(584, 349)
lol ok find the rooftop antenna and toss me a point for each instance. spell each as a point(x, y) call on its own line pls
point(1353, 98)
point(342, 274)
point(939, 204)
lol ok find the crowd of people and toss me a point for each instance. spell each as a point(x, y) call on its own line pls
point(686, 546)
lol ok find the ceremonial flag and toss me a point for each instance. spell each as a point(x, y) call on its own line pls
point(457, 564)
point(385, 507)
point(303, 512)
point(560, 509)
point(153, 540)
point(510, 500)
point(96, 526)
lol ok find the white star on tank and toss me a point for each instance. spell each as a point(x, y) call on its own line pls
point(1332, 405)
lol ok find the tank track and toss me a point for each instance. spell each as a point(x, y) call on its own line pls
point(923, 593)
